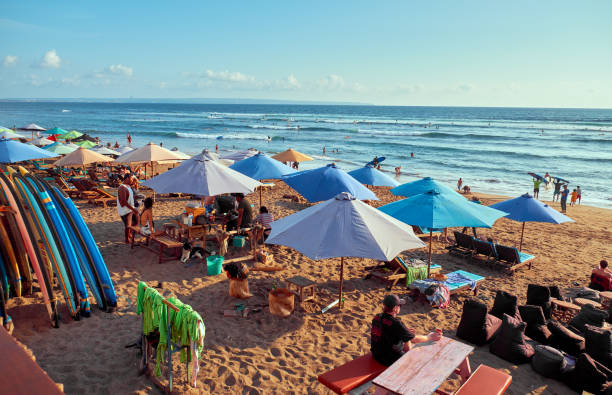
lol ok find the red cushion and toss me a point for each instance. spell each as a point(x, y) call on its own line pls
point(486, 380)
point(352, 374)
point(602, 278)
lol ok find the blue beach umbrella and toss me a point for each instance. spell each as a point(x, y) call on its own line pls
point(435, 209)
point(325, 183)
point(12, 151)
point(526, 208)
point(421, 186)
point(262, 167)
point(368, 175)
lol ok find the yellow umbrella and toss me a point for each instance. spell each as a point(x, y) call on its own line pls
point(292, 155)
point(82, 157)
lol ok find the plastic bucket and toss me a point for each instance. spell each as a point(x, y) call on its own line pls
point(239, 241)
point(214, 264)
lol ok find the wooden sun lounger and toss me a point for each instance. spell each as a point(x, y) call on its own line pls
point(463, 247)
point(512, 258)
point(84, 192)
point(484, 249)
point(70, 190)
point(104, 198)
point(394, 270)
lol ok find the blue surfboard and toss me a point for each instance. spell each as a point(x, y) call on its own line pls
point(371, 163)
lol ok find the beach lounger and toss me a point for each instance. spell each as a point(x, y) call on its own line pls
point(84, 192)
point(104, 198)
point(396, 269)
point(463, 247)
point(512, 258)
point(456, 282)
point(353, 376)
point(68, 189)
point(424, 232)
point(484, 249)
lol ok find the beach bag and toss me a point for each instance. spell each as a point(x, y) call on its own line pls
point(239, 288)
point(281, 302)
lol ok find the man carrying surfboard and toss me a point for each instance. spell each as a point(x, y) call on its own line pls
point(536, 187)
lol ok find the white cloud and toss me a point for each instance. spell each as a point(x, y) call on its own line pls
point(9, 60)
point(228, 76)
point(50, 60)
point(120, 70)
point(331, 82)
point(293, 82)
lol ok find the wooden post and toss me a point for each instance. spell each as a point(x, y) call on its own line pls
point(341, 280)
point(521, 243)
point(429, 260)
point(260, 188)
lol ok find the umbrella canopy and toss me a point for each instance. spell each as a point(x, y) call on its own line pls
point(105, 151)
point(33, 128)
point(421, 186)
point(325, 183)
point(82, 157)
point(12, 151)
point(85, 137)
point(124, 149)
point(239, 155)
point(526, 208)
point(180, 154)
point(262, 167)
point(9, 134)
point(85, 143)
point(60, 148)
point(56, 130)
point(291, 155)
point(41, 141)
point(435, 209)
point(148, 153)
point(202, 177)
point(368, 175)
point(70, 135)
point(344, 227)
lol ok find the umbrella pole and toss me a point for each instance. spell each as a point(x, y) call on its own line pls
point(260, 188)
point(341, 279)
point(429, 260)
point(521, 243)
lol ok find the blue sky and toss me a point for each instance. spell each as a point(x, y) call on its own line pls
point(468, 53)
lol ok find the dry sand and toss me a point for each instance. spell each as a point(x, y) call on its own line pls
point(267, 354)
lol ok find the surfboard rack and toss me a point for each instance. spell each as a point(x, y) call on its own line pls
point(147, 352)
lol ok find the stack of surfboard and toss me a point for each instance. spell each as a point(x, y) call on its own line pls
point(45, 243)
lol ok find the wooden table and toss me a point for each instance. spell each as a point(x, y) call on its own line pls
point(606, 298)
point(422, 369)
point(583, 301)
point(303, 287)
point(564, 311)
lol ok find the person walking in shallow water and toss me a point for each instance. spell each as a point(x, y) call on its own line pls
point(564, 194)
point(459, 183)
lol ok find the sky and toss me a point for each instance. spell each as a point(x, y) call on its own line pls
point(436, 53)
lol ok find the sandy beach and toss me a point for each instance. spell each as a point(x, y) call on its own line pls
point(264, 354)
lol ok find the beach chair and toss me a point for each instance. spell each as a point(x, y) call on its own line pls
point(601, 280)
point(103, 199)
point(393, 271)
point(422, 232)
point(84, 192)
point(484, 249)
point(463, 247)
point(512, 258)
point(94, 177)
point(355, 376)
point(69, 189)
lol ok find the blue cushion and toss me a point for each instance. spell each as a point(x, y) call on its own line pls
point(524, 257)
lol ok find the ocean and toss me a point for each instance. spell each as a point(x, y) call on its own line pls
point(491, 149)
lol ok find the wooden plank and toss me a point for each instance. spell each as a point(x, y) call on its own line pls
point(422, 369)
point(21, 375)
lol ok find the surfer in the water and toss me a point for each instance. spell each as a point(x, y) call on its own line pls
point(536, 187)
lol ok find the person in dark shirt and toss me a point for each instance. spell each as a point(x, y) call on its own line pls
point(245, 214)
point(390, 338)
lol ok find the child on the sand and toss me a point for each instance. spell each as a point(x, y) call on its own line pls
point(574, 197)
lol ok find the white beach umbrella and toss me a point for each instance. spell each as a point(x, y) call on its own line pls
point(105, 151)
point(41, 141)
point(239, 155)
point(149, 153)
point(124, 149)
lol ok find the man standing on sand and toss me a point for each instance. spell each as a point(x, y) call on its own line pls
point(536, 187)
point(390, 339)
point(564, 194)
point(579, 191)
point(125, 205)
point(557, 183)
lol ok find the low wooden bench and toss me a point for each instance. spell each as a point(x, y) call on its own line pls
point(485, 380)
point(166, 242)
point(352, 375)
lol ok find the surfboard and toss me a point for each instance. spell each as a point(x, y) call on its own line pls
point(84, 257)
point(4, 281)
point(560, 179)
point(53, 254)
point(11, 260)
point(371, 163)
point(63, 243)
point(28, 233)
point(20, 253)
point(538, 177)
point(92, 247)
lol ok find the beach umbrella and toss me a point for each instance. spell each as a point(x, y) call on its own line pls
point(421, 186)
point(148, 153)
point(12, 151)
point(32, 127)
point(86, 137)
point(124, 149)
point(368, 175)
point(41, 141)
point(85, 144)
point(82, 157)
point(326, 182)
point(73, 134)
point(60, 148)
point(344, 226)
point(526, 208)
point(202, 177)
point(105, 151)
point(435, 209)
point(9, 134)
point(262, 167)
point(291, 155)
point(239, 155)
point(56, 130)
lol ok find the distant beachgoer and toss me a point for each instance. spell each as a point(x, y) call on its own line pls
point(536, 187)
point(216, 147)
point(564, 194)
point(459, 183)
point(390, 338)
point(125, 205)
point(579, 191)
point(375, 161)
point(295, 165)
point(378, 167)
point(116, 144)
point(269, 139)
point(108, 145)
point(574, 197)
point(466, 189)
point(129, 139)
point(161, 143)
point(398, 170)
point(412, 154)
point(547, 176)
point(323, 150)
point(557, 192)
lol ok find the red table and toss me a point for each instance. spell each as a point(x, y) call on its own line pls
point(424, 368)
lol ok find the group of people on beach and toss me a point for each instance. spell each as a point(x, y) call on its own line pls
point(560, 195)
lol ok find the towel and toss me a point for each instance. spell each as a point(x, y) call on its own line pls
point(415, 273)
point(458, 278)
